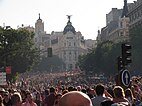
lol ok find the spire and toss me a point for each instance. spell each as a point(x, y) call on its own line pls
point(125, 9)
point(39, 16)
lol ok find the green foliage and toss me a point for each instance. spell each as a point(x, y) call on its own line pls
point(136, 42)
point(50, 63)
point(17, 49)
point(103, 58)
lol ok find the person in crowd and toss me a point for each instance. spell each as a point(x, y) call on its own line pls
point(16, 99)
point(64, 92)
point(119, 96)
point(44, 96)
point(29, 100)
point(23, 95)
point(78, 88)
point(59, 90)
point(1, 101)
point(84, 90)
point(2, 90)
point(136, 92)
point(38, 98)
point(129, 95)
point(102, 95)
point(50, 99)
point(75, 98)
point(90, 92)
point(70, 88)
point(58, 97)
point(7, 99)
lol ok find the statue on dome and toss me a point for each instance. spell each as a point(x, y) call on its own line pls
point(69, 16)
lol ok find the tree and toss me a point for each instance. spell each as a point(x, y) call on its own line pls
point(17, 49)
point(136, 42)
point(101, 59)
point(49, 64)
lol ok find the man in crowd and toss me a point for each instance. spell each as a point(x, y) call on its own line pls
point(29, 100)
point(16, 99)
point(50, 99)
point(102, 95)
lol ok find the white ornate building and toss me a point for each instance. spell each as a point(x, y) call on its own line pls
point(67, 44)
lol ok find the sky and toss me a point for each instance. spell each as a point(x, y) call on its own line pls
point(88, 16)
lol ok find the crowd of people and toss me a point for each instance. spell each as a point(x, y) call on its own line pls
point(69, 89)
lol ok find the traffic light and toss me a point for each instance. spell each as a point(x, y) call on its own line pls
point(49, 50)
point(119, 63)
point(126, 54)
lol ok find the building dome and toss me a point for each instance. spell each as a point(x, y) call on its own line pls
point(69, 27)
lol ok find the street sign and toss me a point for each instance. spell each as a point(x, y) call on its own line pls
point(3, 78)
point(125, 77)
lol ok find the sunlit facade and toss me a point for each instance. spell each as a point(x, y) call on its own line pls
point(67, 44)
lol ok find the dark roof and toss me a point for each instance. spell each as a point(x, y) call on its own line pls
point(69, 27)
point(125, 9)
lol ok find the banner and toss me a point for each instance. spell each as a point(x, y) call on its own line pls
point(8, 70)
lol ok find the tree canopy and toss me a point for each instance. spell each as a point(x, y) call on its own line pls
point(17, 49)
point(102, 59)
point(49, 64)
point(136, 42)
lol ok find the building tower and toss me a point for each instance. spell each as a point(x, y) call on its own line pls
point(39, 25)
point(39, 32)
point(125, 9)
point(124, 23)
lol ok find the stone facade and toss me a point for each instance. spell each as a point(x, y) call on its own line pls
point(42, 40)
point(68, 47)
point(135, 13)
point(117, 27)
point(118, 30)
point(67, 44)
point(113, 15)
